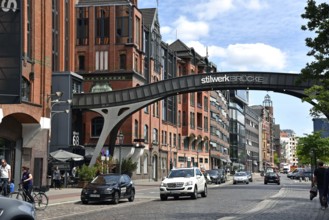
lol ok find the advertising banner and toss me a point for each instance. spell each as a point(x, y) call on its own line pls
point(10, 51)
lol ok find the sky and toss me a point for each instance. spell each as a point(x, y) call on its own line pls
point(245, 35)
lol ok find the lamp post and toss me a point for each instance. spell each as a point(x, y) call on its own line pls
point(51, 103)
point(120, 136)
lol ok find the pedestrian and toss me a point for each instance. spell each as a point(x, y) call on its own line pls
point(318, 180)
point(27, 181)
point(57, 178)
point(5, 174)
point(325, 195)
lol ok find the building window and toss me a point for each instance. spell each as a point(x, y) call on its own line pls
point(192, 99)
point(101, 60)
point(146, 110)
point(102, 26)
point(97, 126)
point(67, 35)
point(146, 134)
point(122, 26)
point(26, 90)
point(138, 31)
point(155, 136)
point(82, 26)
point(123, 61)
point(136, 129)
point(29, 29)
point(192, 120)
point(81, 59)
point(55, 36)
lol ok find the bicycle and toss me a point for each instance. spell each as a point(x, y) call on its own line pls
point(39, 196)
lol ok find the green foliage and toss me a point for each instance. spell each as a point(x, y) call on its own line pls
point(128, 166)
point(86, 173)
point(276, 159)
point(317, 70)
point(313, 145)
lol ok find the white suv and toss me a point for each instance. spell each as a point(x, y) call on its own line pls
point(183, 182)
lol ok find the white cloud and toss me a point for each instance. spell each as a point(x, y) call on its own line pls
point(243, 57)
point(210, 10)
point(260, 57)
point(253, 4)
point(189, 30)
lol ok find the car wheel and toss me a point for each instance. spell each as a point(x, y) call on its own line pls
point(265, 182)
point(247, 182)
point(205, 192)
point(176, 197)
point(116, 197)
point(234, 183)
point(218, 181)
point(163, 197)
point(84, 202)
point(132, 196)
point(195, 193)
point(278, 183)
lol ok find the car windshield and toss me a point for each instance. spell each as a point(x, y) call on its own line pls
point(110, 179)
point(181, 173)
point(240, 174)
point(271, 174)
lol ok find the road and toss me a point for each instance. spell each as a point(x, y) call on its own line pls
point(290, 200)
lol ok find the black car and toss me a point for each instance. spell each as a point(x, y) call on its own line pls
point(214, 176)
point(109, 187)
point(272, 177)
point(16, 209)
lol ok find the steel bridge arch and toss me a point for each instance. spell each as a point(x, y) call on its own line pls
point(116, 106)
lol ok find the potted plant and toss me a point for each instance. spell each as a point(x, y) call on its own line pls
point(85, 174)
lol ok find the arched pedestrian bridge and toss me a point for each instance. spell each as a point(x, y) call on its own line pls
point(115, 106)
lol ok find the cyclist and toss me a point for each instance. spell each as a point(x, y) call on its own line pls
point(5, 174)
point(27, 181)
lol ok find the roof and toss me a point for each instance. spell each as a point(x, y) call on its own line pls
point(87, 3)
point(149, 15)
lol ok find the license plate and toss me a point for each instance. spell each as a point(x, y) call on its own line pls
point(94, 195)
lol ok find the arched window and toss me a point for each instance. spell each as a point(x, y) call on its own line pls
point(97, 126)
point(26, 90)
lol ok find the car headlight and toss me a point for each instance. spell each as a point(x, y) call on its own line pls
point(164, 184)
point(189, 183)
point(108, 190)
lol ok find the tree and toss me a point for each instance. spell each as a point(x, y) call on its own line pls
point(312, 146)
point(317, 70)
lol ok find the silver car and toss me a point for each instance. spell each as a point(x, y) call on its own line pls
point(240, 177)
point(16, 209)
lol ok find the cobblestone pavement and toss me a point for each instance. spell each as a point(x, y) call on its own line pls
point(291, 202)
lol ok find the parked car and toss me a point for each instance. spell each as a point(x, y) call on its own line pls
point(183, 182)
point(303, 174)
point(240, 177)
point(294, 174)
point(12, 209)
point(272, 177)
point(217, 175)
point(109, 187)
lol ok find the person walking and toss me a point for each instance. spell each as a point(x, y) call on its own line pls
point(5, 175)
point(27, 181)
point(57, 178)
point(325, 195)
point(318, 180)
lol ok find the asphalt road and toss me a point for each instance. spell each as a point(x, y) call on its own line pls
point(225, 202)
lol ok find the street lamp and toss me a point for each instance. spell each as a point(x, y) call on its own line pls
point(51, 103)
point(120, 136)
